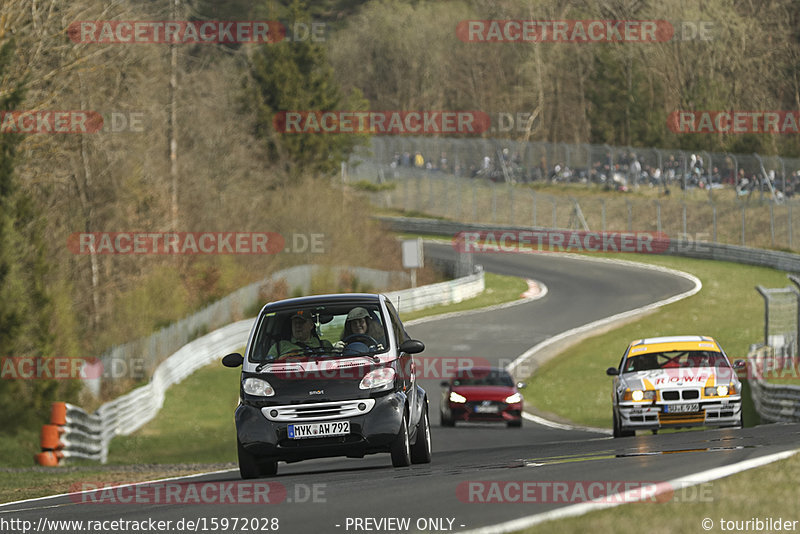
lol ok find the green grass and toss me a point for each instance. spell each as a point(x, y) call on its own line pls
point(19, 448)
point(194, 425)
point(727, 308)
point(499, 289)
point(765, 492)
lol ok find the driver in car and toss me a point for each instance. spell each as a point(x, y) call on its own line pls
point(359, 322)
point(302, 327)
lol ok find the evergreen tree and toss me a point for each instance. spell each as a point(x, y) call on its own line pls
point(10, 313)
point(296, 76)
point(25, 306)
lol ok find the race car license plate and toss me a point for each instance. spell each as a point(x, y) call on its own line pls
point(319, 430)
point(682, 408)
point(486, 408)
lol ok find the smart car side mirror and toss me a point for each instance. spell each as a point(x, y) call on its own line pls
point(612, 371)
point(521, 385)
point(412, 346)
point(233, 360)
point(739, 365)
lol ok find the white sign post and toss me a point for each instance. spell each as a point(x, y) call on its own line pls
point(412, 257)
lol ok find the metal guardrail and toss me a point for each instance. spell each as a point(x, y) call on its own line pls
point(775, 403)
point(74, 433)
point(784, 261)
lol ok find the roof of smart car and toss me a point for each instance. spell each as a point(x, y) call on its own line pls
point(670, 343)
point(333, 298)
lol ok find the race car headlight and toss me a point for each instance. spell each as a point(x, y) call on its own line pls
point(378, 379)
point(257, 387)
point(639, 395)
point(513, 399)
point(455, 397)
point(718, 391)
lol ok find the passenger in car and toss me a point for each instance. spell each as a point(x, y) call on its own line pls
point(359, 322)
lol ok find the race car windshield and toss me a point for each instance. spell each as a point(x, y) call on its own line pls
point(483, 378)
point(320, 332)
point(675, 360)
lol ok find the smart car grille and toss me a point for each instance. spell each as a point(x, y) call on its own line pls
point(674, 394)
point(318, 411)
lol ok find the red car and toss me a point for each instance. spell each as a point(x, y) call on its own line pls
point(481, 394)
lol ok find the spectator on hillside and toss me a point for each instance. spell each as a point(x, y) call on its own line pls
point(635, 170)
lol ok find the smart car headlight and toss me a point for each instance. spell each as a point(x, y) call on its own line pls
point(257, 387)
point(378, 379)
point(513, 399)
point(455, 397)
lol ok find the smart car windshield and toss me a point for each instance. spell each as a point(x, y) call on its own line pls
point(675, 360)
point(326, 331)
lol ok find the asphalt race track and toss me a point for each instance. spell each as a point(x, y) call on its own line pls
point(361, 495)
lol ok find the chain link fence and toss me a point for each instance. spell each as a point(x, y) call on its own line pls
point(773, 366)
point(506, 160)
point(780, 319)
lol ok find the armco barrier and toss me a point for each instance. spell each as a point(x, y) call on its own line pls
point(784, 261)
point(775, 403)
point(74, 433)
point(78, 434)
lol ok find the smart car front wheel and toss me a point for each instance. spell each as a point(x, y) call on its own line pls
point(251, 466)
point(421, 450)
point(401, 449)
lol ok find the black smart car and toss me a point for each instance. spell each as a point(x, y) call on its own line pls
point(329, 375)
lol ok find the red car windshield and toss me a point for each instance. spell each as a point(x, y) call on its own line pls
point(483, 378)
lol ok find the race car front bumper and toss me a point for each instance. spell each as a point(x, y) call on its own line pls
point(653, 416)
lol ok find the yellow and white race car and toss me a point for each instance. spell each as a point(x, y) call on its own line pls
point(675, 382)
